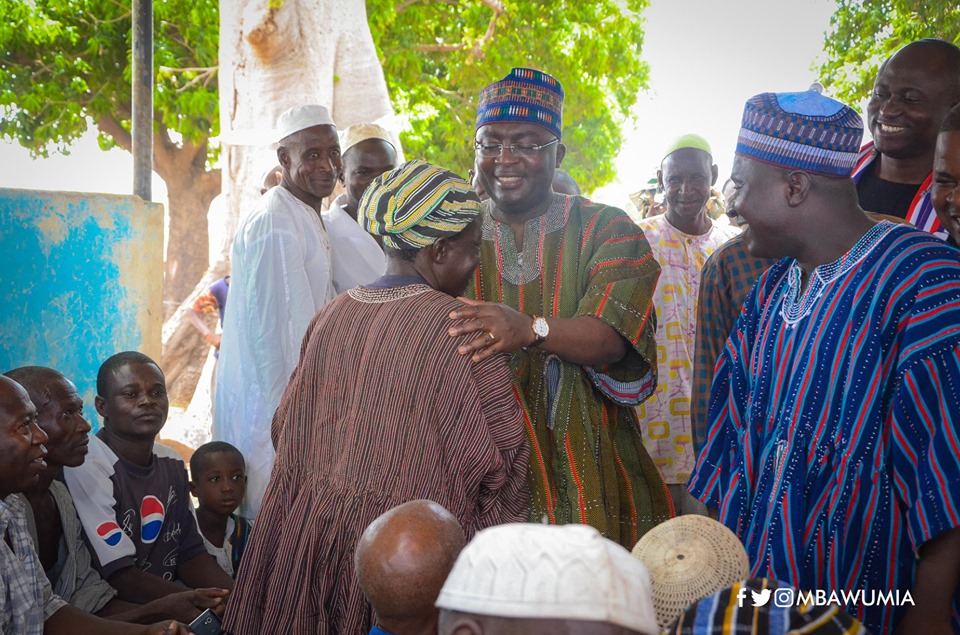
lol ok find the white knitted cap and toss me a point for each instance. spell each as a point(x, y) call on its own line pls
point(300, 118)
point(569, 572)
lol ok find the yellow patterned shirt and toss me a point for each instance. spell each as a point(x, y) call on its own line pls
point(665, 417)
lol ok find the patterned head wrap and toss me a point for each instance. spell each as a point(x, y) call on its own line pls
point(735, 610)
point(801, 131)
point(417, 204)
point(525, 95)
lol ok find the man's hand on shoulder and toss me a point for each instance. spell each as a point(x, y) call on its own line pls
point(501, 329)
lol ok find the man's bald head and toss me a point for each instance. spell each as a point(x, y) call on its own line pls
point(402, 560)
point(36, 380)
point(11, 394)
point(940, 55)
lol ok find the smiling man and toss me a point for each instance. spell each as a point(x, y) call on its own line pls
point(565, 286)
point(131, 493)
point(281, 276)
point(946, 176)
point(682, 238)
point(913, 92)
point(833, 449)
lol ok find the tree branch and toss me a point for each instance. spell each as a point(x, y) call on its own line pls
point(403, 6)
point(110, 126)
point(439, 48)
point(477, 49)
point(190, 69)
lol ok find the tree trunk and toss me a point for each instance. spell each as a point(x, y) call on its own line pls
point(304, 52)
point(187, 254)
point(184, 349)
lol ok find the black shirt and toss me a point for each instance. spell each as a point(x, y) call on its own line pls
point(885, 197)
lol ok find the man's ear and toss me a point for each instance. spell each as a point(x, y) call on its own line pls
point(101, 405)
point(440, 250)
point(561, 152)
point(660, 180)
point(797, 187)
point(715, 172)
point(283, 157)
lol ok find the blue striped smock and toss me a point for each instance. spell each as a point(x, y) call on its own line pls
point(833, 449)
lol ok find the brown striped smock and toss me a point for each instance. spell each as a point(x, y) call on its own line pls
point(380, 410)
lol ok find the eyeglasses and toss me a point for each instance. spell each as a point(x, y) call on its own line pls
point(522, 150)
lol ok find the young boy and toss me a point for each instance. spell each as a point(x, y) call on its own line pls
point(132, 495)
point(219, 481)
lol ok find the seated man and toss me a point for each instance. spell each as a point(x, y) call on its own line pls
point(52, 518)
point(27, 604)
point(402, 559)
point(132, 495)
point(540, 579)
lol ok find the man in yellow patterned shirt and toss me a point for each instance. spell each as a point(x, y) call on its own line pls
point(682, 238)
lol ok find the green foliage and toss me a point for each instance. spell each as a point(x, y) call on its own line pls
point(65, 62)
point(866, 32)
point(437, 57)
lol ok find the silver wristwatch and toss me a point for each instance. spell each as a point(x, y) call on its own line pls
point(540, 330)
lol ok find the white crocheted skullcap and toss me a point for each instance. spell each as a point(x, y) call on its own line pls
point(300, 118)
point(690, 558)
point(534, 571)
point(361, 132)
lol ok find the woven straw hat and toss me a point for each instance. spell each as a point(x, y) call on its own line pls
point(690, 558)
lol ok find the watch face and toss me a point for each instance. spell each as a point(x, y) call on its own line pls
point(540, 327)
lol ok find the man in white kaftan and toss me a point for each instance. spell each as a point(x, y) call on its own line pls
point(280, 277)
point(358, 259)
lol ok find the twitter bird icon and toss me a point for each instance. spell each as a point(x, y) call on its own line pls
point(761, 598)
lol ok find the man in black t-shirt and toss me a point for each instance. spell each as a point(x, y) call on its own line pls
point(914, 90)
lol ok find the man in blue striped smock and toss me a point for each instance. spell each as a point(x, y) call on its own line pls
point(832, 449)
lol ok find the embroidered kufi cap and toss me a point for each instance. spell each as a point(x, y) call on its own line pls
point(567, 572)
point(300, 118)
point(735, 610)
point(416, 204)
point(689, 558)
point(526, 95)
point(801, 131)
point(361, 132)
point(694, 141)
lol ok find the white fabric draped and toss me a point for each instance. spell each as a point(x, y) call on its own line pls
point(281, 276)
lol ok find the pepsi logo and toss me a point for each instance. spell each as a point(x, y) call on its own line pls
point(110, 532)
point(151, 519)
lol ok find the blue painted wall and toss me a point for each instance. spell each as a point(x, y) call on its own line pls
point(81, 278)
